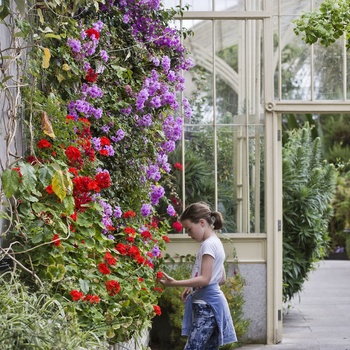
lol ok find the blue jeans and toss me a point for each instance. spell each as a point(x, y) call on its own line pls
point(204, 333)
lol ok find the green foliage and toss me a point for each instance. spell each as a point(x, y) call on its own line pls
point(74, 207)
point(166, 331)
point(308, 190)
point(327, 24)
point(38, 321)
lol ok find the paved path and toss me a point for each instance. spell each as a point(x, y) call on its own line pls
point(320, 318)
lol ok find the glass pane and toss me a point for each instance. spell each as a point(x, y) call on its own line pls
point(328, 71)
point(226, 68)
point(199, 81)
point(295, 64)
point(202, 5)
point(199, 164)
point(240, 177)
point(170, 3)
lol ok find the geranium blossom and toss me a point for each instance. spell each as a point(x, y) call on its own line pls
point(113, 287)
point(76, 295)
point(44, 144)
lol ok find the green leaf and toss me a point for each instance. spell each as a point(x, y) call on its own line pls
point(84, 285)
point(54, 36)
point(4, 9)
point(58, 185)
point(10, 182)
point(56, 272)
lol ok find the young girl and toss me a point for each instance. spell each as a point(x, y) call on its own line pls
point(207, 319)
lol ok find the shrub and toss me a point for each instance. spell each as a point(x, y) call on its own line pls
point(308, 190)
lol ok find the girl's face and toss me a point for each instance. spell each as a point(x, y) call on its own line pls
point(195, 231)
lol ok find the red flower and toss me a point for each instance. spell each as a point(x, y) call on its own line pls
point(140, 279)
point(134, 252)
point(90, 32)
point(91, 76)
point(44, 144)
point(103, 152)
point(55, 240)
point(105, 141)
point(159, 275)
point(158, 289)
point(166, 239)
point(157, 310)
point(146, 235)
point(92, 299)
point(76, 295)
point(121, 248)
point(177, 226)
point(130, 230)
point(73, 153)
point(49, 189)
point(85, 121)
point(113, 287)
point(82, 184)
point(178, 166)
point(130, 239)
point(93, 185)
point(74, 216)
point(110, 259)
point(103, 179)
point(73, 171)
point(69, 117)
point(128, 214)
point(32, 160)
point(104, 269)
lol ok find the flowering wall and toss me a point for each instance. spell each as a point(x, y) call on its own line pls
point(87, 205)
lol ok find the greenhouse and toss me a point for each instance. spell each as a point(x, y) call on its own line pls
point(243, 75)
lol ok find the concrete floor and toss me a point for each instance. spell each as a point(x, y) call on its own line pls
point(318, 319)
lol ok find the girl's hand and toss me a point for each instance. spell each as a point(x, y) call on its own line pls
point(166, 280)
point(186, 293)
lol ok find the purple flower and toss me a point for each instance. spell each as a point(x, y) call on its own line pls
point(82, 106)
point(117, 212)
point(155, 251)
point(171, 76)
point(95, 92)
point(146, 209)
point(74, 44)
point(97, 143)
point(156, 102)
point(153, 173)
point(146, 120)
point(166, 63)
point(170, 210)
point(156, 193)
point(110, 150)
point(104, 55)
point(98, 26)
point(105, 128)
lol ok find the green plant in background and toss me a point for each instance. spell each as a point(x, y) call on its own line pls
point(308, 190)
point(166, 331)
point(38, 321)
point(326, 24)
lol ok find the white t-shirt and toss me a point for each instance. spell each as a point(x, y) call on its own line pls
point(213, 247)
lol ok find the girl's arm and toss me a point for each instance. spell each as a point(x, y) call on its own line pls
point(199, 281)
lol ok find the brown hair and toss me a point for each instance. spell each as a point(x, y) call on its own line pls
point(200, 210)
